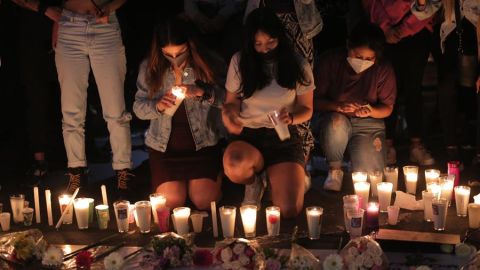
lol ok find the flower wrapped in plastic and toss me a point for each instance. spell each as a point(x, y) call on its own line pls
point(172, 250)
point(238, 254)
point(364, 253)
point(23, 246)
point(302, 259)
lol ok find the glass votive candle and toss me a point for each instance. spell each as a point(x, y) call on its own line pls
point(28, 216)
point(473, 216)
point(181, 216)
point(434, 188)
point(391, 175)
point(476, 199)
point(393, 212)
point(157, 200)
point(64, 202)
point(374, 178)
point(384, 195)
point(272, 214)
point(81, 206)
point(362, 190)
point(427, 198)
point(446, 188)
point(350, 202)
point(143, 216)
point(227, 219)
point(372, 217)
point(102, 216)
point(439, 213)
point(431, 175)
point(197, 221)
point(91, 209)
point(462, 197)
point(5, 221)
point(359, 176)
point(17, 203)
point(411, 178)
point(355, 219)
point(122, 209)
point(249, 220)
point(314, 221)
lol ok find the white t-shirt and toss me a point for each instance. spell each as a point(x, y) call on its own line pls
point(254, 110)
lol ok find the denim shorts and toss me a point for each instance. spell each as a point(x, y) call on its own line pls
point(273, 150)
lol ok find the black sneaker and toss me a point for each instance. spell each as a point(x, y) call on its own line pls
point(36, 173)
point(77, 177)
point(123, 178)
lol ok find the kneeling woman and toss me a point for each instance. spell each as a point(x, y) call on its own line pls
point(184, 155)
point(267, 75)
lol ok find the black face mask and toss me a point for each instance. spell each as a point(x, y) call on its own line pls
point(269, 56)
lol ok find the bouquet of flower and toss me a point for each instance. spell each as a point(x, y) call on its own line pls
point(274, 259)
point(238, 254)
point(23, 246)
point(302, 259)
point(172, 250)
point(364, 253)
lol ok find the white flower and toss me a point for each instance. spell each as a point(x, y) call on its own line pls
point(353, 251)
point(239, 249)
point(53, 256)
point(377, 260)
point(368, 262)
point(244, 260)
point(114, 261)
point(226, 254)
point(423, 267)
point(333, 262)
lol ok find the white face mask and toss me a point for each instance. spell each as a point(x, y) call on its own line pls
point(359, 65)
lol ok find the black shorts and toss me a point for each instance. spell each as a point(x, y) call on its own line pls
point(273, 150)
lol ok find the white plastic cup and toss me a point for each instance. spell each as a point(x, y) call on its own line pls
point(393, 212)
point(280, 127)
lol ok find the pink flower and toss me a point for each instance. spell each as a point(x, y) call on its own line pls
point(84, 260)
point(202, 257)
point(273, 264)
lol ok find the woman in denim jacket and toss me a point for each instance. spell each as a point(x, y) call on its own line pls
point(184, 152)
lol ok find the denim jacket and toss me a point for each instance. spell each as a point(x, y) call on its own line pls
point(203, 115)
point(308, 16)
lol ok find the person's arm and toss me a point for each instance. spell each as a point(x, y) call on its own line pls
point(425, 9)
point(377, 111)
point(231, 113)
point(44, 7)
point(144, 106)
point(303, 109)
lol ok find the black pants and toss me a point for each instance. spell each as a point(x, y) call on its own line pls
point(409, 58)
point(37, 72)
point(449, 91)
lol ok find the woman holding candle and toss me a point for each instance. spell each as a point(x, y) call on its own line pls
point(267, 75)
point(184, 152)
point(356, 91)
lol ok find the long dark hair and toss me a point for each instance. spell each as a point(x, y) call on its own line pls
point(174, 31)
point(252, 69)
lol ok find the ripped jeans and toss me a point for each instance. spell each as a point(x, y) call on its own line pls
point(364, 138)
point(83, 44)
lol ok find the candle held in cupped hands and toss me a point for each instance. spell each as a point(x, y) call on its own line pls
point(179, 93)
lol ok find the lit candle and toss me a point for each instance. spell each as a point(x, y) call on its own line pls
point(213, 209)
point(374, 178)
point(249, 220)
point(372, 217)
point(391, 175)
point(227, 217)
point(431, 175)
point(359, 177)
point(435, 189)
point(37, 204)
point(48, 198)
point(82, 206)
point(411, 178)
point(181, 216)
point(104, 194)
point(384, 195)
point(179, 94)
point(273, 220)
point(462, 197)
point(314, 221)
point(158, 201)
point(362, 189)
point(447, 188)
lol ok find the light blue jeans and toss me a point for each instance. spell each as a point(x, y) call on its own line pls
point(363, 137)
point(83, 44)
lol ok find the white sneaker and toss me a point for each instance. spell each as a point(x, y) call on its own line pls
point(391, 155)
point(334, 180)
point(420, 155)
point(254, 191)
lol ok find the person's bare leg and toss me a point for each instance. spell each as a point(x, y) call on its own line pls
point(175, 192)
point(241, 161)
point(287, 182)
point(202, 191)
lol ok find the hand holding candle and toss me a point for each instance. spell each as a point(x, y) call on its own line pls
point(178, 94)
